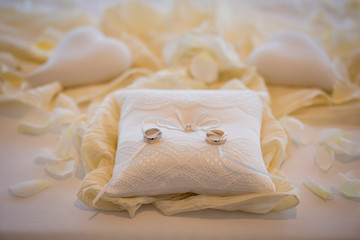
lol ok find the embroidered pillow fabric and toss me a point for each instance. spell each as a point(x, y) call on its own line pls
point(183, 161)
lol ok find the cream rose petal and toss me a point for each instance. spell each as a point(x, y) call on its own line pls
point(64, 101)
point(168, 79)
point(9, 60)
point(353, 66)
point(345, 142)
point(60, 169)
point(65, 140)
point(299, 132)
point(317, 189)
point(347, 146)
point(234, 84)
point(330, 134)
point(143, 57)
point(344, 90)
point(10, 75)
point(204, 67)
point(28, 188)
point(182, 49)
point(58, 117)
point(39, 97)
point(8, 88)
point(324, 157)
point(45, 44)
point(59, 162)
point(47, 154)
point(15, 24)
point(348, 183)
point(11, 80)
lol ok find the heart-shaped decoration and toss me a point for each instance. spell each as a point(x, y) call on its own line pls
point(292, 58)
point(84, 56)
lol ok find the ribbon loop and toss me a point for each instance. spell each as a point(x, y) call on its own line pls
point(201, 123)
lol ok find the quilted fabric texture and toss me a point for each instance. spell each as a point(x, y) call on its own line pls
point(184, 161)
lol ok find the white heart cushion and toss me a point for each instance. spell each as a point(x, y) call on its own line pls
point(292, 58)
point(84, 56)
point(183, 161)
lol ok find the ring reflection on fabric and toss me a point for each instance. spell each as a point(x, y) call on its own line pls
point(152, 135)
point(217, 137)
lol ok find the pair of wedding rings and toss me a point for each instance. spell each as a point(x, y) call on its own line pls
point(214, 137)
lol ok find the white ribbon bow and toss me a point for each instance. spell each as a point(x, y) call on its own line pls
point(201, 123)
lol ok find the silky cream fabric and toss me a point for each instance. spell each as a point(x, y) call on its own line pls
point(98, 154)
point(312, 105)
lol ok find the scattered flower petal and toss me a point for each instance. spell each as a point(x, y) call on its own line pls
point(343, 142)
point(45, 44)
point(20, 28)
point(168, 79)
point(59, 161)
point(11, 80)
point(345, 89)
point(347, 146)
point(353, 66)
point(204, 67)
point(135, 17)
point(8, 60)
point(62, 148)
point(59, 117)
point(234, 84)
point(330, 134)
point(181, 50)
point(349, 183)
point(11, 75)
point(143, 57)
point(47, 154)
point(64, 101)
point(300, 133)
point(318, 189)
point(324, 157)
point(39, 97)
point(28, 188)
point(60, 169)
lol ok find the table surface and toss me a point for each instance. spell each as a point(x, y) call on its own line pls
point(56, 213)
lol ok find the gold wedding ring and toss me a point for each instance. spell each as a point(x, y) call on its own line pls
point(217, 137)
point(152, 135)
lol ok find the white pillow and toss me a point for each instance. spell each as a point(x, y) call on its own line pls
point(184, 161)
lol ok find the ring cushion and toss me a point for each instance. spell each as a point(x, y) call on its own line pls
point(254, 136)
point(184, 161)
